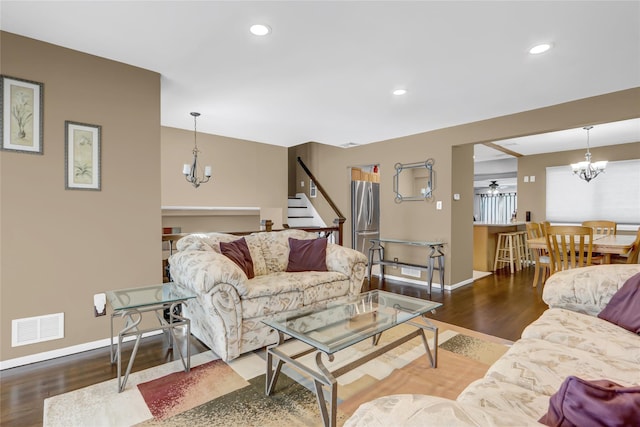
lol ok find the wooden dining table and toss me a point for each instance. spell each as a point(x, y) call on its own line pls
point(618, 244)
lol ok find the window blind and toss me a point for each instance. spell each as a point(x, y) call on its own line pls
point(613, 195)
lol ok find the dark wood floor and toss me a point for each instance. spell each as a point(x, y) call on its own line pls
point(500, 304)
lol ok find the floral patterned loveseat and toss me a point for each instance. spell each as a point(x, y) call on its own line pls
point(567, 340)
point(227, 313)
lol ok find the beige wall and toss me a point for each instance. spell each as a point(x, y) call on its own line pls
point(462, 212)
point(245, 174)
point(59, 247)
point(421, 220)
point(532, 195)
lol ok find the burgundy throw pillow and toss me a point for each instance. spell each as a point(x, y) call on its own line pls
point(582, 403)
point(307, 255)
point(624, 307)
point(238, 252)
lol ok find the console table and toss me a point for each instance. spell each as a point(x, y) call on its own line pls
point(435, 253)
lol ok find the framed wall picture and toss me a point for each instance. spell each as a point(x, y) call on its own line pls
point(82, 156)
point(21, 109)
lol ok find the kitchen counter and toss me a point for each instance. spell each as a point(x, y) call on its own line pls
point(485, 236)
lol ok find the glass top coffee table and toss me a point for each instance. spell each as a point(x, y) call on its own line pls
point(341, 324)
point(131, 303)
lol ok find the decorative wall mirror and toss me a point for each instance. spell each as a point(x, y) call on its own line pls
point(413, 181)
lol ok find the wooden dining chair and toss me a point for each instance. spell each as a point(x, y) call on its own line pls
point(607, 228)
point(569, 246)
point(602, 227)
point(540, 256)
point(543, 227)
point(630, 257)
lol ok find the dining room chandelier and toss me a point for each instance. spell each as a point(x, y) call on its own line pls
point(587, 170)
point(190, 171)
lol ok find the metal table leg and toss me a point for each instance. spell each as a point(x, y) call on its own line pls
point(376, 247)
point(436, 252)
point(133, 319)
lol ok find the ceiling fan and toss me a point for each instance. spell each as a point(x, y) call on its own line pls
point(494, 188)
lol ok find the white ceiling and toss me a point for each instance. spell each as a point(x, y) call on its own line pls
point(615, 133)
point(327, 71)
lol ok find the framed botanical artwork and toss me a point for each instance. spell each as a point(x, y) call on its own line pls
point(21, 109)
point(82, 156)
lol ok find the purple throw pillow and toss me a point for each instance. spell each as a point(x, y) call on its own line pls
point(238, 252)
point(582, 403)
point(624, 307)
point(307, 255)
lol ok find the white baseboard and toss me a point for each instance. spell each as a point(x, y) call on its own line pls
point(434, 285)
point(48, 355)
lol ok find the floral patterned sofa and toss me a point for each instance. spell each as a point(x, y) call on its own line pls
point(229, 307)
point(567, 340)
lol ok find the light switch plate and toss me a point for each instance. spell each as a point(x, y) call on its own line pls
point(526, 178)
point(456, 196)
point(439, 205)
point(532, 178)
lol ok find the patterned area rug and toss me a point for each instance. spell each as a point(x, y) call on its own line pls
point(290, 405)
point(232, 394)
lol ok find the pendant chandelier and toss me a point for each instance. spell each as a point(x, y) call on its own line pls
point(587, 170)
point(190, 171)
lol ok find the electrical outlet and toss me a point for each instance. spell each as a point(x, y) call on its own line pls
point(99, 304)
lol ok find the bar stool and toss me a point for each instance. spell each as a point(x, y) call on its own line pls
point(510, 250)
point(524, 252)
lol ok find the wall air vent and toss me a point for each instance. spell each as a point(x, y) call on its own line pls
point(410, 272)
point(31, 330)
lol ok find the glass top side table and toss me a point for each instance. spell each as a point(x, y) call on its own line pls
point(131, 303)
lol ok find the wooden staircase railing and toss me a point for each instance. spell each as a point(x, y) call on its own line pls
point(339, 221)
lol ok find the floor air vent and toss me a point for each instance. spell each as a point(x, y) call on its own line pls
point(31, 330)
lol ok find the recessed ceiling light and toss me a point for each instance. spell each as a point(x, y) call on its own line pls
point(541, 48)
point(399, 91)
point(260, 30)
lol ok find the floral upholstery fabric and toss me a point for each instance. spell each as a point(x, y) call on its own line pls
point(415, 410)
point(568, 339)
point(577, 330)
point(493, 394)
point(541, 366)
point(588, 289)
point(204, 241)
point(227, 313)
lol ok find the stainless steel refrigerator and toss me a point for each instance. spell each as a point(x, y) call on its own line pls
point(365, 214)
